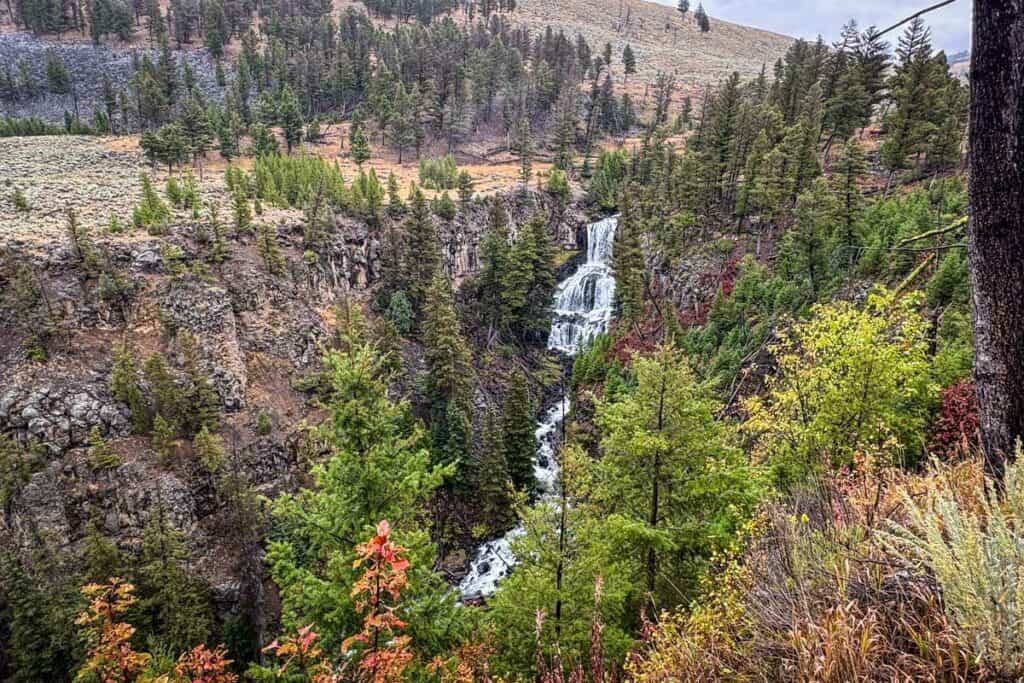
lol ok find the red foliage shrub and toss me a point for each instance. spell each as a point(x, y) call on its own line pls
point(955, 430)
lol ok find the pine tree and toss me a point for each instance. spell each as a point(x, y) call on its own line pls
point(174, 606)
point(395, 204)
point(804, 254)
point(702, 19)
point(628, 263)
point(165, 441)
point(124, 386)
point(199, 394)
point(101, 457)
point(846, 176)
point(449, 385)
point(263, 142)
point(242, 211)
point(208, 449)
point(378, 467)
point(151, 213)
point(421, 240)
point(289, 114)
point(524, 147)
point(517, 434)
point(358, 145)
point(218, 244)
point(495, 253)
point(102, 559)
point(270, 251)
point(628, 60)
point(494, 484)
point(683, 7)
point(197, 130)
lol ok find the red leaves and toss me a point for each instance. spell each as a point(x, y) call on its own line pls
point(383, 579)
point(201, 665)
point(955, 430)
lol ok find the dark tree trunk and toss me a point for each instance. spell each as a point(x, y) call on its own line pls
point(996, 159)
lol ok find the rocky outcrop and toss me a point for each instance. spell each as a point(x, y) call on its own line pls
point(49, 406)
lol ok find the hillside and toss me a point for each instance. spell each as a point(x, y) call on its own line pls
point(663, 40)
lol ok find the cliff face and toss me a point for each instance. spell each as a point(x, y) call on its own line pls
point(257, 335)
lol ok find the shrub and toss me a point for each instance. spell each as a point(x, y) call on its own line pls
point(955, 430)
point(439, 174)
point(263, 423)
point(974, 550)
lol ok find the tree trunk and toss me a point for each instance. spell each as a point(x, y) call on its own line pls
point(996, 158)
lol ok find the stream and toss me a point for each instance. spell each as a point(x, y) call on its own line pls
point(582, 311)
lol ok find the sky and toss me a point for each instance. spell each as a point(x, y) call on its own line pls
point(951, 26)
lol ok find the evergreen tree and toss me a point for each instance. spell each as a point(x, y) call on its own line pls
point(683, 6)
point(102, 559)
point(263, 142)
point(289, 115)
point(670, 470)
point(702, 19)
point(517, 434)
point(199, 395)
point(270, 251)
point(378, 468)
point(449, 386)
point(494, 482)
point(850, 168)
point(358, 145)
point(628, 60)
point(420, 237)
point(101, 457)
point(196, 130)
point(124, 386)
point(208, 449)
point(628, 263)
point(174, 608)
point(804, 254)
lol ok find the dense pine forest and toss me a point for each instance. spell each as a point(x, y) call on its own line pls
point(392, 340)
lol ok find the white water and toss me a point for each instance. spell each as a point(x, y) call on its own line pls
point(583, 309)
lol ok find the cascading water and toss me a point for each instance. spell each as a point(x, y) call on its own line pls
point(582, 311)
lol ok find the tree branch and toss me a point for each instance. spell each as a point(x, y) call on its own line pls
point(934, 7)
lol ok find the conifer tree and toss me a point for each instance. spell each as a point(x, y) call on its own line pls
point(289, 115)
point(218, 243)
point(101, 457)
point(166, 397)
point(270, 251)
point(199, 396)
point(395, 204)
point(628, 60)
point(494, 483)
point(174, 606)
point(628, 262)
point(124, 386)
point(517, 434)
point(358, 144)
point(421, 239)
point(263, 141)
point(804, 254)
point(847, 174)
point(524, 147)
point(683, 7)
point(242, 211)
point(102, 559)
point(208, 449)
point(378, 467)
point(702, 20)
point(197, 130)
point(151, 213)
point(449, 374)
point(495, 253)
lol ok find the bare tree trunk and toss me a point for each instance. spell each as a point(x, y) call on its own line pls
point(996, 158)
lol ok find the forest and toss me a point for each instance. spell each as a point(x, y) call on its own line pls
point(716, 383)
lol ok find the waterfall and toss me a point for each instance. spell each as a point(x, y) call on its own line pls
point(582, 311)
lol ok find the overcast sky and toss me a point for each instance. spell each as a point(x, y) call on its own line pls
point(951, 26)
